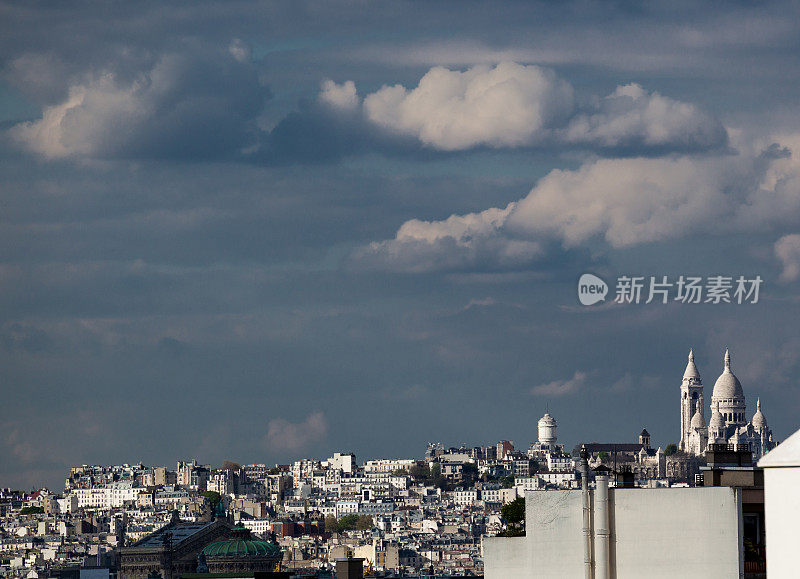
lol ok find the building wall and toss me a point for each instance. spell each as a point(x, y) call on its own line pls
point(681, 532)
point(782, 513)
point(508, 557)
point(678, 532)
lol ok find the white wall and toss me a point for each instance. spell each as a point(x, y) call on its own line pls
point(678, 532)
point(509, 556)
point(782, 514)
point(682, 532)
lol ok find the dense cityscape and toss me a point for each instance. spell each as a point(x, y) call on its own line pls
point(401, 517)
point(398, 514)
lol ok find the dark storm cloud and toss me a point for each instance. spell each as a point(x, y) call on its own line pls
point(318, 134)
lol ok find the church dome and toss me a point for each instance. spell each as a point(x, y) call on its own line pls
point(241, 546)
point(717, 421)
point(698, 421)
point(727, 385)
point(758, 418)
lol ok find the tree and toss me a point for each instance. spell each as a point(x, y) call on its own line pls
point(507, 481)
point(514, 512)
point(31, 510)
point(364, 523)
point(230, 465)
point(470, 471)
point(348, 522)
point(670, 450)
point(420, 472)
point(331, 524)
point(603, 455)
point(352, 523)
point(213, 497)
point(437, 478)
point(512, 531)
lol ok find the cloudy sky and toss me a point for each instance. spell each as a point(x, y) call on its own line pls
point(258, 231)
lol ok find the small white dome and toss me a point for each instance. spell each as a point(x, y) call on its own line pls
point(697, 420)
point(758, 418)
point(717, 421)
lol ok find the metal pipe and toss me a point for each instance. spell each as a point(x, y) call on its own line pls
point(602, 533)
point(587, 531)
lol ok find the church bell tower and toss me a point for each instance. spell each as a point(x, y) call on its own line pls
point(691, 393)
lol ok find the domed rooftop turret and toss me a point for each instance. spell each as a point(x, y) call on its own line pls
point(697, 420)
point(717, 420)
point(759, 421)
point(547, 420)
point(727, 385)
point(240, 545)
point(547, 429)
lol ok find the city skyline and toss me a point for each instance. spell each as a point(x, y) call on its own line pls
point(261, 232)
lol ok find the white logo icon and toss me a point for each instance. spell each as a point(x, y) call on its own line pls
point(591, 289)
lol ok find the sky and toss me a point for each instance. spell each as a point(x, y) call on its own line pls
point(261, 231)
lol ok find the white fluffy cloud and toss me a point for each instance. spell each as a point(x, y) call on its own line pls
point(283, 435)
point(340, 96)
point(612, 202)
point(79, 126)
point(460, 242)
point(631, 116)
point(787, 249)
point(625, 201)
point(505, 106)
point(513, 105)
point(200, 105)
point(578, 382)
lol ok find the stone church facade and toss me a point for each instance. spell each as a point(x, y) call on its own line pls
point(728, 423)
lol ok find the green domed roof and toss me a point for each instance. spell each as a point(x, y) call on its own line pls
point(241, 545)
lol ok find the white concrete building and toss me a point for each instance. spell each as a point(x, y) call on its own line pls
point(527, 483)
point(346, 507)
point(782, 507)
point(629, 533)
point(465, 497)
point(114, 495)
point(69, 504)
point(346, 462)
point(498, 495)
point(120, 493)
point(559, 478)
point(389, 465)
point(559, 462)
point(258, 526)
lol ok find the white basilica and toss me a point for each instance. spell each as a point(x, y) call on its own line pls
point(728, 424)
